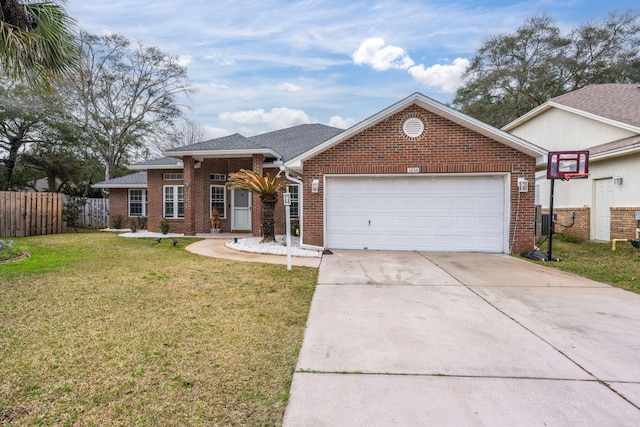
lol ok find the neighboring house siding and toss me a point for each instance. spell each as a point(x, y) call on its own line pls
point(445, 148)
point(559, 130)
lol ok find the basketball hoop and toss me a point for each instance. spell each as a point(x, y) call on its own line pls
point(568, 176)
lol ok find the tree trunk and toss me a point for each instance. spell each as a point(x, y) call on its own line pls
point(268, 212)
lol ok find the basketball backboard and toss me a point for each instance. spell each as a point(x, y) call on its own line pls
point(565, 164)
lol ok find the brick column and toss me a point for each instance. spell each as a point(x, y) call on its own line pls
point(256, 203)
point(189, 197)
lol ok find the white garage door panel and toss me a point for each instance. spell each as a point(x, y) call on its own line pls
point(432, 213)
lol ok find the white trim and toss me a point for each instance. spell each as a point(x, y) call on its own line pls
point(506, 247)
point(175, 201)
point(213, 153)
point(145, 202)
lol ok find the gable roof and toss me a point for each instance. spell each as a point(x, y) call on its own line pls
point(437, 108)
point(617, 104)
point(134, 180)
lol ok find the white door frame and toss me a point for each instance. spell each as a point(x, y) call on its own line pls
point(602, 233)
point(239, 210)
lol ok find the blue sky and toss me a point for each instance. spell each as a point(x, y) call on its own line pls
point(262, 65)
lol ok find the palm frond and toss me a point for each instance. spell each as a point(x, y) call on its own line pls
point(255, 183)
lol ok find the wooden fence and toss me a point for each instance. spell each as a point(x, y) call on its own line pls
point(25, 214)
point(95, 214)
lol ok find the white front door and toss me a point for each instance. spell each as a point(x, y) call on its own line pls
point(602, 208)
point(241, 210)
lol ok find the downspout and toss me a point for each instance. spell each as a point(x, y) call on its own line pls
point(300, 209)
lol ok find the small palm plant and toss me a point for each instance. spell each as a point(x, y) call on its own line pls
point(267, 188)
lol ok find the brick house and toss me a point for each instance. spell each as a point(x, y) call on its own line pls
point(603, 119)
point(418, 175)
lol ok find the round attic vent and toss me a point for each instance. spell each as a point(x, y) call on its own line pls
point(413, 127)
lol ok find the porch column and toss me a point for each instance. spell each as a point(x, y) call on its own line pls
point(256, 203)
point(189, 197)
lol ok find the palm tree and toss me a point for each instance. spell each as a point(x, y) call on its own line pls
point(267, 188)
point(37, 42)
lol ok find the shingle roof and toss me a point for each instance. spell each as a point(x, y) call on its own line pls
point(231, 142)
point(632, 142)
point(161, 161)
point(615, 101)
point(295, 140)
point(138, 179)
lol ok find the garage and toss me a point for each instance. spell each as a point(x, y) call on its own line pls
point(454, 213)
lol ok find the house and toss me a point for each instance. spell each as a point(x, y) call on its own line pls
point(603, 119)
point(417, 175)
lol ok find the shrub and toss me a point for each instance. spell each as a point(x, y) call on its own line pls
point(117, 222)
point(6, 244)
point(72, 210)
point(164, 226)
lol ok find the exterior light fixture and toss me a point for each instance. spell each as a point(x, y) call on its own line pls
point(315, 185)
point(617, 179)
point(523, 185)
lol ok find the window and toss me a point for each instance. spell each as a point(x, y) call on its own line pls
point(294, 209)
point(174, 201)
point(219, 199)
point(218, 177)
point(138, 203)
point(173, 176)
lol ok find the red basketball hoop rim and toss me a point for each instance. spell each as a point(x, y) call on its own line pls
point(569, 176)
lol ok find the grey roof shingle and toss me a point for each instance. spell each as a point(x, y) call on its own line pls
point(138, 178)
point(295, 140)
point(231, 142)
point(161, 161)
point(615, 101)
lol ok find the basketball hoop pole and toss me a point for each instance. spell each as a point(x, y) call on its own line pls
point(551, 224)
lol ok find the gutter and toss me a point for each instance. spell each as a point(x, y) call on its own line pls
point(301, 210)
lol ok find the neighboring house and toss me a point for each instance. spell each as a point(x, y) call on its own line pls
point(603, 119)
point(418, 175)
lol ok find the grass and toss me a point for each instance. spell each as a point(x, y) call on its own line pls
point(596, 261)
point(101, 330)
point(7, 251)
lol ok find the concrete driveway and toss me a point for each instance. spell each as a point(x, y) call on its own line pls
point(414, 339)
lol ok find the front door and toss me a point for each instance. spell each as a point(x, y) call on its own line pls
point(603, 203)
point(241, 210)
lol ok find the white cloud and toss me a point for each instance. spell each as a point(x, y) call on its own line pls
point(277, 118)
point(445, 77)
point(184, 60)
point(373, 52)
point(289, 87)
point(214, 132)
point(339, 122)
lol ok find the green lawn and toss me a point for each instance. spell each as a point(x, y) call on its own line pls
point(620, 268)
point(101, 330)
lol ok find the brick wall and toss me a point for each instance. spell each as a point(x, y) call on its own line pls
point(623, 222)
point(581, 228)
point(119, 205)
point(445, 147)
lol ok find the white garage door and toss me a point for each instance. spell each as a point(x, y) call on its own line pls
point(426, 213)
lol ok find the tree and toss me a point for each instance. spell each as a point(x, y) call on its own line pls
point(267, 188)
point(125, 98)
point(513, 73)
point(37, 42)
